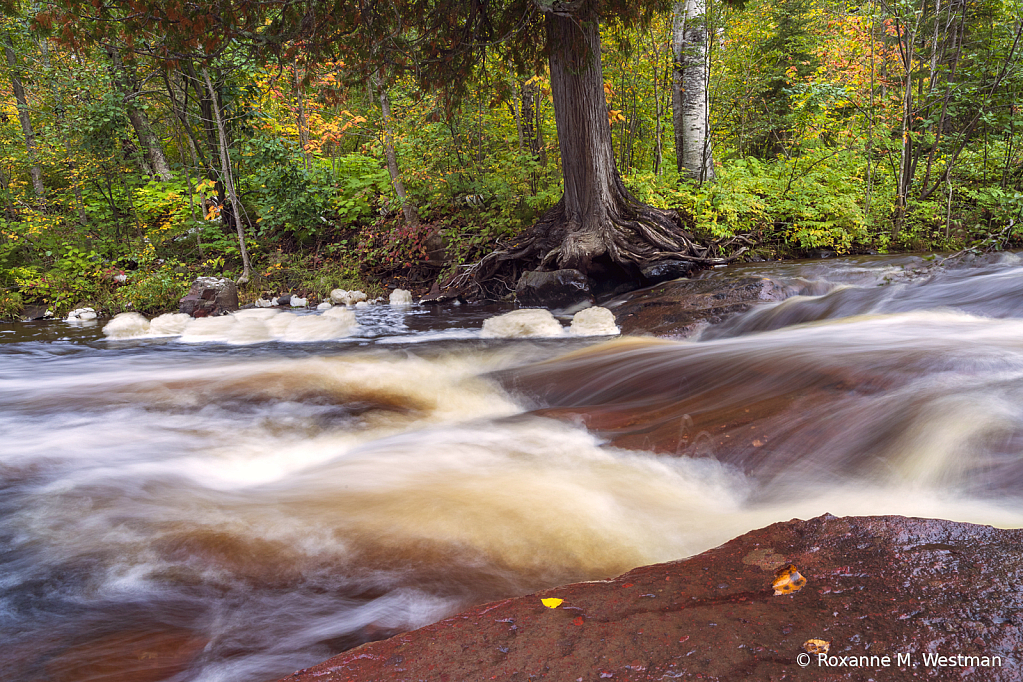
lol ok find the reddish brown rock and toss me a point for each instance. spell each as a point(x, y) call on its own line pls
point(209, 296)
point(877, 587)
point(682, 307)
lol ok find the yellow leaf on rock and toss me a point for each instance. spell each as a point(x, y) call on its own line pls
point(552, 602)
point(787, 580)
point(816, 646)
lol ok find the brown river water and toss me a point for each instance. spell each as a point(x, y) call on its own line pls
point(204, 511)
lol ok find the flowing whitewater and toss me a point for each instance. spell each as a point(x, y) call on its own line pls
point(174, 510)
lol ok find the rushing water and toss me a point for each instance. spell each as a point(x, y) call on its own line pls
point(174, 511)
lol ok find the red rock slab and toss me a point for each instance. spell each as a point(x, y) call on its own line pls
point(877, 588)
point(682, 307)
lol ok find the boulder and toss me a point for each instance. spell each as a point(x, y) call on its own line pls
point(35, 312)
point(666, 270)
point(892, 598)
point(553, 289)
point(210, 296)
point(682, 307)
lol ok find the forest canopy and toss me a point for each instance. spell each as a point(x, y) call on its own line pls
point(314, 145)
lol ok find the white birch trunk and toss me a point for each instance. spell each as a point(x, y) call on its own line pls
point(690, 102)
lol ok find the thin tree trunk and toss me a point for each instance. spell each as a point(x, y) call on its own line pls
point(35, 170)
point(303, 126)
point(690, 106)
point(225, 164)
point(408, 209)
point(905, 178)
point(129, 89)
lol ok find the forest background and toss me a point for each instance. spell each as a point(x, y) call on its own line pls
point(848, 128)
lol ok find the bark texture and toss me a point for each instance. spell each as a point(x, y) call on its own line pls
point(690, 104)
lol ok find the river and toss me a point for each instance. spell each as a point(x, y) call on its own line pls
point(212, 511)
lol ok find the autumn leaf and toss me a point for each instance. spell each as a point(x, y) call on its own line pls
point(787, 580)
point(552, 602)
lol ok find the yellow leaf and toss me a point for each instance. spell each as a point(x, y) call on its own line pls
point(552, 602)
point(787, 580)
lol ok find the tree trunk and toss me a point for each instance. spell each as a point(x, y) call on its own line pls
point(129, 89)
point(225, 164)
point(26, 123)
point(408, 209)
point(690, 106)
point(597, 216)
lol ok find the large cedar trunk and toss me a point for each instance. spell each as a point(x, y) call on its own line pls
point(597, 216)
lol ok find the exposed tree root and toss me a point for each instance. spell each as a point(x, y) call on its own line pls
point(630, 235)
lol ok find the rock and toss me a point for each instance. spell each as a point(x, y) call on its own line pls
point(877, 587)
point(553, 289)
point(81, 315)
point(681, 308)
point(210, 296)
point(283, 299)
point(33, 312)
point(665, 270)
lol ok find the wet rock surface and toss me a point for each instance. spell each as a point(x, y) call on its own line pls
point(555, 289)
point(680, 308)
point(889, 594)
point(210, 296)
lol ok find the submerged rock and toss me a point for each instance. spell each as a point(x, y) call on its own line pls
point(210, 296)
point(555, 289)
point(682, 307)
point(892, 595)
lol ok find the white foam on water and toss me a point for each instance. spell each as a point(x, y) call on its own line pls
point(169, 324)
point(126, 326)
point(524, 323)
point(594, 321)
point(400, 297)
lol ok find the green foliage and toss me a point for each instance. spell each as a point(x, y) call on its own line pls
point(292, 199)
point(804, 203)
point(11, 304)
point(153, 291)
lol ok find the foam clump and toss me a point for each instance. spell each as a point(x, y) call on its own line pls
point(342, 297)
point(171, 324)
point(595, 321)
point(326, 305)
point(298, 302)
point(81, 315)
point(362, 304)
point(525, 323)
point(126, 326)
point(252, 325)
point(400, 297)
point(263, 303)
